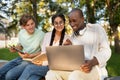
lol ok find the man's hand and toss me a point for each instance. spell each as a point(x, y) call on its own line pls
point(88, 65)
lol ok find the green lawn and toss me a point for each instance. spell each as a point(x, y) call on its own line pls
point(112, 66)
point(5, 54)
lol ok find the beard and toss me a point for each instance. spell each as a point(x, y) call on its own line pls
point(81, 27)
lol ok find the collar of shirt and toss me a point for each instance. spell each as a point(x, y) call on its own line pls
point(82, 32)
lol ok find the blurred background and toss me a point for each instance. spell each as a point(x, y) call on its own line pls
point(104, 12)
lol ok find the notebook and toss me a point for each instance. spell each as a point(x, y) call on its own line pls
point(41, 57)
point(68, 57)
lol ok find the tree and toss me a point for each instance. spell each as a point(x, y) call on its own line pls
point(6, 10)
point(113, 12)
point(109, 10)
point(34, 5)
point(2, 17)
point(90, 10)
point(42, 10)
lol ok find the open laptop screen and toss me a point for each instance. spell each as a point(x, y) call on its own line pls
point(68, 57)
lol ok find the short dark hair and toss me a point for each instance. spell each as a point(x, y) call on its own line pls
point(24, 19)
point(78, 10)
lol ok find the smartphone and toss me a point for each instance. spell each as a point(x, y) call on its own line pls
point(18, 50)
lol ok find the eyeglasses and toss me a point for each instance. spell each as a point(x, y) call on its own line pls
point(59, 24)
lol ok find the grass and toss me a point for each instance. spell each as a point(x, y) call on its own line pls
point(5, 54)
point(112, 66)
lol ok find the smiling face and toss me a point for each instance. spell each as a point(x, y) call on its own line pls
point(27, 22)
point(76, 21)
point(59, 24)
point(29, 26)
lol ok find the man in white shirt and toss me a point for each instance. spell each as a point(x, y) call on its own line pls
point(96, 46)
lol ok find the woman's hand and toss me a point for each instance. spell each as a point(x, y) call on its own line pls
point(67, 42)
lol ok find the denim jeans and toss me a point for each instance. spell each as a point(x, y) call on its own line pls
point(14, 73)
point(11, 64)
point(33, 72)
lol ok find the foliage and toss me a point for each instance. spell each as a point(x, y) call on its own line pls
point(42, 10)
point(112, 12)
point(112, 9)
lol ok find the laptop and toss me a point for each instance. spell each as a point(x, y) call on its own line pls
point(68, 58)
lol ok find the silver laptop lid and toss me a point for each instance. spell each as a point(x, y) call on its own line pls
point(68, 57)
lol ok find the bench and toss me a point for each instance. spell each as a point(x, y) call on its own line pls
point(113, 78)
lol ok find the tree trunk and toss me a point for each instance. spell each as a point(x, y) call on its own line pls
point(34, 4)
point(117, 43)
point(90, 12)
point(113, 25)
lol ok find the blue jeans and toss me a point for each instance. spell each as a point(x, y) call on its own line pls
point(11, 64)
point(33, 72)
point(14, 73)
